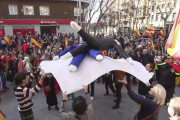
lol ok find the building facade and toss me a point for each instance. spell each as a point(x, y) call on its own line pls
point(21, 17)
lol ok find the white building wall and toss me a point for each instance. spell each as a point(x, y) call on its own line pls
point(8, 29)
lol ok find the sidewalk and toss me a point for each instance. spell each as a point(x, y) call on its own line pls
point(102, 106)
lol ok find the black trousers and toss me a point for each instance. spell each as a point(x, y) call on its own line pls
point(109, 83)
point(92, 89)
point(129, 78)
point(118, 92)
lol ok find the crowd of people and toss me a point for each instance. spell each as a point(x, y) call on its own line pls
point(19, 64)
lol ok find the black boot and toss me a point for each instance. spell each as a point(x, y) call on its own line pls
point(115, 107)
point(57, 108)
point(49, 108)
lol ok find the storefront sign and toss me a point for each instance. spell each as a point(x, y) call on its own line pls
point(10, 21)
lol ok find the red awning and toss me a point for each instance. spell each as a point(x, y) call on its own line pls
point(20, 21)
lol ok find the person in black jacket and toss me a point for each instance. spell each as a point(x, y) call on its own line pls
point(121, 40)
point(167, 76)
point(149, 107)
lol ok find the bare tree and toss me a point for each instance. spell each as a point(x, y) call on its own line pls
point(165, 14)
point(103, 8)
point(89, 13)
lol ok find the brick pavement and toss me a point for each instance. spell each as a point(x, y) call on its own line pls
point(102, 106)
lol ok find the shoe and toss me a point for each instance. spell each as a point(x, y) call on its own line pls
point(115, 107)
point(92, 98)
point(106, 94)
point(7, 88)
point(57, 108)
point(114, 100)
point(49, 108)
point(98, 81)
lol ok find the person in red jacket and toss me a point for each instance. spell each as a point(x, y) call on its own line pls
point(24, 47)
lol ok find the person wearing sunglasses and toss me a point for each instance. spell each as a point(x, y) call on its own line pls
point(174, 108)
point(168, 73)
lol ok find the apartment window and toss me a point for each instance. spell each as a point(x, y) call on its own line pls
point(157, 18)
point(174, 16)
point(28, 10)
point(13, 10)
point(44, 10)
point(152, 8)
point(163, 5)
point(168, 5)
point(152, 18)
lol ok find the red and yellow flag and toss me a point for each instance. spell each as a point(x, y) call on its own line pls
point(150, 29)
point(7, 40)
point(34, 42)
point(104, 52)
point(161, 33)
point(149, 35)
point(160, 38)
point(2, 116)
point(136, 31)
point(66, 41)
point(173, 41)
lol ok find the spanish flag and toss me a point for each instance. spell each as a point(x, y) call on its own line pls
point(7, 40)
point(66, 41)
point(2, 116)
point(104, 52)
point(34, 42)
point(149, 35)
point(137, 32)
point(173, 41)
point(150, 29)
point(160, 38)
point(161, 33)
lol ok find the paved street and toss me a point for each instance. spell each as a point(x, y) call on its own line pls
point(102, 106)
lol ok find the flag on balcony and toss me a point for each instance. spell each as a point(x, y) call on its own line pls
point(160, 38)
point(137, 32)
point(161, 33)
point(7, 40)
point(34, 42)
point(66, 41)
point(173, 41)
point(149, 35)
point(150, 29)
point(2, 116)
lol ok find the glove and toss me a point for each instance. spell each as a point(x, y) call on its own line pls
point(55, 58)
point(129, 59)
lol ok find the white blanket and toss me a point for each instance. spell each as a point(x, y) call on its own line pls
point(89, 70)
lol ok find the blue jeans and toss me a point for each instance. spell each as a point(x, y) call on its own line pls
point(3, 78)
point(72, 95)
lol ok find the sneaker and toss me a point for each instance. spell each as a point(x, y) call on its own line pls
point(115, 107)
point(92, 98)
point(106, 94)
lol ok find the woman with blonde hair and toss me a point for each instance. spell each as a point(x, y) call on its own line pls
point(149, 106)
point(174, 108)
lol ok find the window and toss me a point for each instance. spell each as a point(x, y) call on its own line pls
point(157, 18)
point(28, 10)
point(152, 18)
point(168, 5)
point(44, 10)
point(174, 16)
point(163, 5)
point(152, 8)
point(13, 10)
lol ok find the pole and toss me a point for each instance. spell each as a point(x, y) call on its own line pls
point(77, 16)
point(80, 17)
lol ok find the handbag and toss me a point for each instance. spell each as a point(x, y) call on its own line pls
point(48, 88)
point(148, 117)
